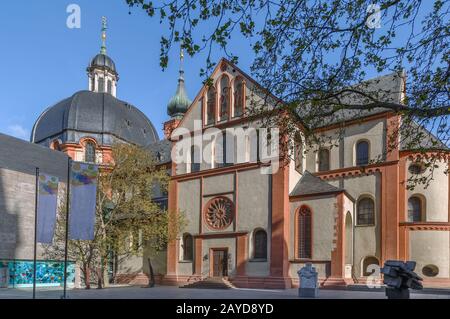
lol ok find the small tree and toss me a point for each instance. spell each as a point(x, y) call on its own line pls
point(125, 210)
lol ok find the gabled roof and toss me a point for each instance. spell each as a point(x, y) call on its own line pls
point(387, 88)
point(310, 184)
point(420, 139)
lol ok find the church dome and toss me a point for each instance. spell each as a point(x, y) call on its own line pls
point(103, 61)
point(97, 115)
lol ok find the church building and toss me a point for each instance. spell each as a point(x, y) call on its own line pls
point(343, 206)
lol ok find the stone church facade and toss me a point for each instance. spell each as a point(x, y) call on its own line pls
point(345, 208)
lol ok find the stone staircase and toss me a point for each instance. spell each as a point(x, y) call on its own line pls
point(210, 283)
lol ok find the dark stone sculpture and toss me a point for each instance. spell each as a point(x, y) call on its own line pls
point(399, 277)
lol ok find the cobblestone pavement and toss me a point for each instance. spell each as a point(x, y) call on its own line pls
point(166, 292)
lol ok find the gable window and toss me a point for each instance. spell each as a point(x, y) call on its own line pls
point(304, 233)
point(224, 97)
point(239, 96)
point(415, 209)
point(89, 152)
point(366, 212)
point(362, 153)
point(211, 105)
point(260, 244)
point(188, 247)
point(324, 160)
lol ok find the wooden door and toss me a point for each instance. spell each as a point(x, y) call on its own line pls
point(219, 263)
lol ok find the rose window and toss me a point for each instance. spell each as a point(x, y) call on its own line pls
point(219, 212)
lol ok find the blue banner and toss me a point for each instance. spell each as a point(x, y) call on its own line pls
point(83, 197)
point(47, 205)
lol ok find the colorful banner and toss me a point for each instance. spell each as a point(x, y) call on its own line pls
point(47, 204)
point(83, 196)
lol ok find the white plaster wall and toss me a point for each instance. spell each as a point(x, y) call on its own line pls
point(430, 247)
point(367, 239)
point(254, 207)
point(436, 193)
point(324, 209)
point(189, 205)
point(372, 131)
point(218, 184)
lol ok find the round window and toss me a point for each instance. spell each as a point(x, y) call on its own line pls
point(219, 213)
point(416, 168)
point(430, 270)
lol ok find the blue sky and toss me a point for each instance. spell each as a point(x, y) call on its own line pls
point(43, 61)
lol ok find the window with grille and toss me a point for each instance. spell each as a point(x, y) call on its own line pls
point(224, 97)
point(239, 94)
point(366, 212)
point(362, 153)
point(414, 209)
point(304, 233)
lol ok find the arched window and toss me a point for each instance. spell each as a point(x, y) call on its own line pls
point(368, 265)
point(89, 152)
point(239, 96)
point(109, 86)
point(362, 153)
point(188, 247)
point(211, 106)
point(365, 212)
point(324, 160)
point(260, 244)
point(415, 209)
point(224, 97)
point(304, 233)
point(195, 159)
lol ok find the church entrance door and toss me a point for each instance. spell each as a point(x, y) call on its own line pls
point(219, 262)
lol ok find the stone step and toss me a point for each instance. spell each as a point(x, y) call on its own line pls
point(210, 283)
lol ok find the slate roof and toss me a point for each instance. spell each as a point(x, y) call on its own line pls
point(310, 184)
point(161, 150)
point(419, 137)
point(103, 61)
point(100, 115)
point(387, 88)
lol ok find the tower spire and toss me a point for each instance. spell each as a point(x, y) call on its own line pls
point(104, 28)
point(180, 102)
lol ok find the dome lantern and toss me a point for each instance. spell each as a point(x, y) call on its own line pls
point(102, 72)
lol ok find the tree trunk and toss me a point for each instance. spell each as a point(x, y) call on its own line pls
point(87, 276)
point(99, 278)
point(151, 282)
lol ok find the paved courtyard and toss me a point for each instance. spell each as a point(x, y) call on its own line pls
point(166, 292)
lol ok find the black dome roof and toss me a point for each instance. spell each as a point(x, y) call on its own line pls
point(103, 61)
point(99, 115)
